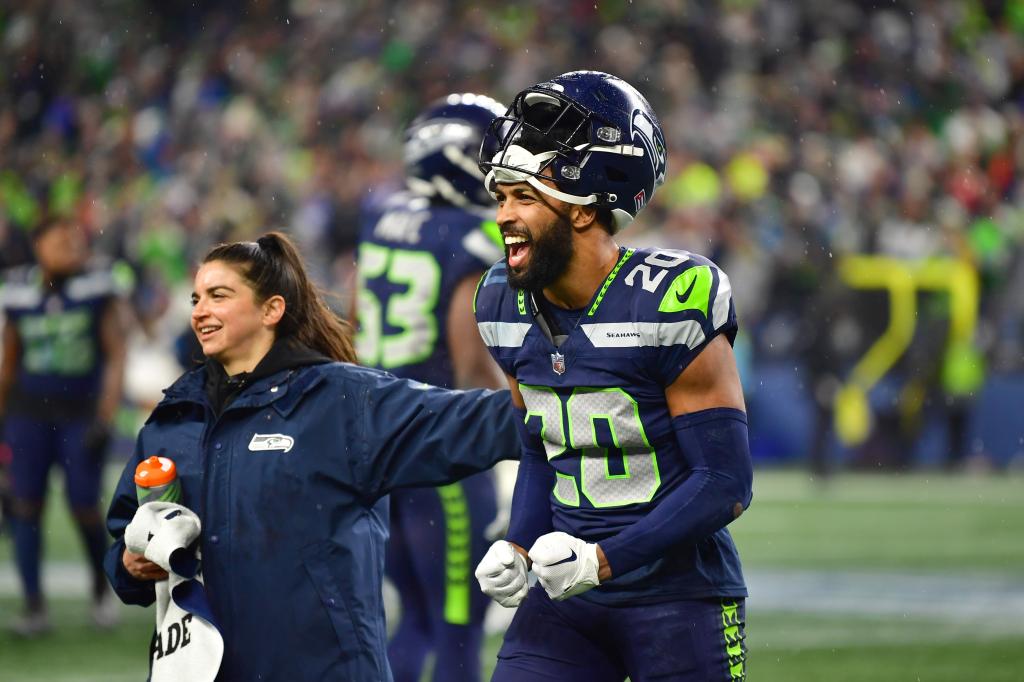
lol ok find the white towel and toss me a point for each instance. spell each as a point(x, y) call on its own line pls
point(188, 646)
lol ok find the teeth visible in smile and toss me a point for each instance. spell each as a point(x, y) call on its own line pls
point(515, 240)
point(206, 330)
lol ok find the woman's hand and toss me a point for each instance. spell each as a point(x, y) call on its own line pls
point(141, 568)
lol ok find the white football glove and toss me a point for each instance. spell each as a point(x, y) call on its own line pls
point(564, 565)
point(502, 574)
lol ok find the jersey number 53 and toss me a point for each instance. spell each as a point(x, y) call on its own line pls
point(411, 311)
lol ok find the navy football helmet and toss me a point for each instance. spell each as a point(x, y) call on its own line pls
point(591, 133)
point(441, 146)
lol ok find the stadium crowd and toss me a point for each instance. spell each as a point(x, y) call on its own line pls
point(799, 132)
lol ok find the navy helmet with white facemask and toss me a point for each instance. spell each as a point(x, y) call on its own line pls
point(441, 147)
point(591, 133)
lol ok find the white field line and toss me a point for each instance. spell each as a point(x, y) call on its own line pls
point(988, 604)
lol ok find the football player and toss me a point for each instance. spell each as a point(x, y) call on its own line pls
point(419, 263)
point(635, 451)
point(60, 387)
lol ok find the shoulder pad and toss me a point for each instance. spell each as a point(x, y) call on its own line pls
point(503, 314)
point(685, 295)
point(484, 241)
point(491, 292)
point(19, 290)
point(92, 284)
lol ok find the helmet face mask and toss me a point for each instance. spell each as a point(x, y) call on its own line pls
point(591, 133)
point(440, 149)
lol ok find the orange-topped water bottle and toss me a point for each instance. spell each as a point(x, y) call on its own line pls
point(156, 480)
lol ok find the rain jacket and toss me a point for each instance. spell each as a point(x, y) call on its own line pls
point(290, 483)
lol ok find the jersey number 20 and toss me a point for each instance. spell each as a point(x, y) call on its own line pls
point(639, 478)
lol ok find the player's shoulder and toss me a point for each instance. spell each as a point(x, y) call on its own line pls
point(463, 231)
point(394, 219)
point(20, 288)
point(664, 298)
point(504, 315)
point(495, 300)
point(99, 280)
point(670, 283)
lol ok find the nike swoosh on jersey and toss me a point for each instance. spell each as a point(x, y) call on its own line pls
point(571, 557)
point(686, 294)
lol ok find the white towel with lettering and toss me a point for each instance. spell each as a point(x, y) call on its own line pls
point(187, 646)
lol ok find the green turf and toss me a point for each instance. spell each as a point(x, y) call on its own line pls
point(914, 523)
point(75, 651)
point(898, 522)
point(950, 662)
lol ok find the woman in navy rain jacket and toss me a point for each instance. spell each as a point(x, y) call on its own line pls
point(286, 452)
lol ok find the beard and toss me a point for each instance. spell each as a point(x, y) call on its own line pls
point(550, 254)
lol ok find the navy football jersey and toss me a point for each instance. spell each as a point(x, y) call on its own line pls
point(61, 361)
point(411, 258)
point(598, 403)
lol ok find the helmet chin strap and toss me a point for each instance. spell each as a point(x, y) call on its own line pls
point(562, 196)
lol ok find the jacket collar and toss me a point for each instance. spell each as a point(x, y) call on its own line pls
point(283, 389)
point(286, 353)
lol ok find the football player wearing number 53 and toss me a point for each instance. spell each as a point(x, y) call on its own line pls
point(421, 255)
point(635, 452)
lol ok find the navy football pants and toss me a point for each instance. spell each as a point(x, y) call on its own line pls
point(437, 539)
point(36, 446)
point(579, 641)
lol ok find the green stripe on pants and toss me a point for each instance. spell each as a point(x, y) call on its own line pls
point(457, 555)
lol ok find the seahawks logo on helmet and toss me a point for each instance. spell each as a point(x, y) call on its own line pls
point(654, 149)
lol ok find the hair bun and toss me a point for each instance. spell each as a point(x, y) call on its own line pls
point(268, 243)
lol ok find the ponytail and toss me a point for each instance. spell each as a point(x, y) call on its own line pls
point(272, 266)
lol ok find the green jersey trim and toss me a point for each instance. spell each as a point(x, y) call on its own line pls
point(609, 279)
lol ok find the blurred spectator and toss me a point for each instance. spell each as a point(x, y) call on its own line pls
point(799, 131)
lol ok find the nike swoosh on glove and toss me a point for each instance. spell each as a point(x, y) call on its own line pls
point(502, 574)
point(564, 565)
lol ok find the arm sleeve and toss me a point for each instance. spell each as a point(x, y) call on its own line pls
point(419, 435)
point(122, 510)
point(531, 504)
point(715, 446)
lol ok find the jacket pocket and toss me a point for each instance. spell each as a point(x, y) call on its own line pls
point(318, 559)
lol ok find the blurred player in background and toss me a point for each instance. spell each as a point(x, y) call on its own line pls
point(633, 420)
point(60, 388)
point(419, 264)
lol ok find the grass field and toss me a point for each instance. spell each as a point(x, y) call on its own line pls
point(877, 578)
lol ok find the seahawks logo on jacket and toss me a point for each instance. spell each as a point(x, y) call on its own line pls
point(263, 442)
